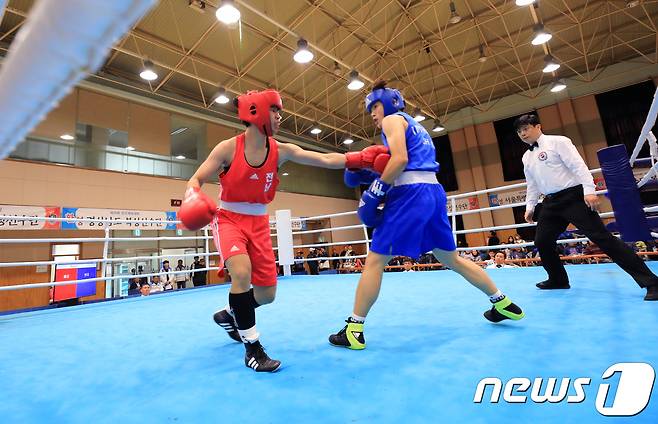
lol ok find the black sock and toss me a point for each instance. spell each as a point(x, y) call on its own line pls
point(243, 309)
point(253, 299)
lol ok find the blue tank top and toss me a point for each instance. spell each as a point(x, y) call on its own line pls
point(420, 148)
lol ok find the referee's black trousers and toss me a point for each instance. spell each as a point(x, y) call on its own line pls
point(567, 206)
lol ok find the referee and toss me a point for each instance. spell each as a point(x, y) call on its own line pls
point(553, 167)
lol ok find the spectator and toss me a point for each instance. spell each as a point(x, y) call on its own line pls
point(408, 265)
point(156, 284)
point(493, 239)
point(166, 277)
point(181, 279)
point(499, 262)
point(145, 289)
point(313, 264)
point(134, 285)
point(299, 263)
point(199, 277)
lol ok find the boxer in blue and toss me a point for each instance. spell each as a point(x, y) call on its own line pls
point(414, 219)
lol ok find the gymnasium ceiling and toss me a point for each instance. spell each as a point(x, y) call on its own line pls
point(438, 65)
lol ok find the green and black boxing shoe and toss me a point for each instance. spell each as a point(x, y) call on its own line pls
point(504, 309)
point(351, 336)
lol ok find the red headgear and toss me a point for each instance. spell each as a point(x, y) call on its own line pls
point(254, 107)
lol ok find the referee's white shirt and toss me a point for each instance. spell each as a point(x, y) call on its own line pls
point(554, 165)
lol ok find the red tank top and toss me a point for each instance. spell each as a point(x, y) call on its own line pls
point(245, 183)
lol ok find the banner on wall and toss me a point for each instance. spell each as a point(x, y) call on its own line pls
point(507, 198)
point(29, 211)
point(296, 223)
point(141, 219)
point(465, 204)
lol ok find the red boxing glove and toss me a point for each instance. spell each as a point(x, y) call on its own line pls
point(380, 163)
point(197, 209)
point(364, 159)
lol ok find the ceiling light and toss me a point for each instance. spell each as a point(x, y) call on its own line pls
point(147, 72)
point(418, 115)
point(348, 141)
point(179, 130)
point(438, 127)
point(483, 56)
point(541, 35)
point(316, 130)
point(524, 2)
point(550, 64)
point(180, 157)
point(303, 54)
point(130, 148)
point(221, 97)
point(227, 13)
point(454, 16)
point(285, 174)
point(355, 82)
point(67, 137)
point(632, 3)
point(558, 85)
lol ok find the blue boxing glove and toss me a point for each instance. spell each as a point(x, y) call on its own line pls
point(368, 212)
point(356, 178)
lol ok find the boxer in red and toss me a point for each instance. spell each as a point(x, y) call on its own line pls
point(247, 165)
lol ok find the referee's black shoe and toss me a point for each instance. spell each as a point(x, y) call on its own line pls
point(549, 285)
point(652, 293)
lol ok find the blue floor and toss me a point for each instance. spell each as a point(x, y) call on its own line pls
point(162, 359)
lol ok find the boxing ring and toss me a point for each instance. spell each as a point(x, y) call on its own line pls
point(161, 358)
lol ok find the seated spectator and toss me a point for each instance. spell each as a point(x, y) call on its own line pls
point(313, 266)
point(298, 265)
point(499, 262)
point(156, 284)
point(134, 286)
point(145, 289)
point(408, 265)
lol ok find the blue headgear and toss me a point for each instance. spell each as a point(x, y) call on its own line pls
point(391, 100)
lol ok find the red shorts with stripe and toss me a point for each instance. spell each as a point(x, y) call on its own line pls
point(239, 234)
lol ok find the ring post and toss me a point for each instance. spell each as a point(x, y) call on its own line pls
point(284, 240)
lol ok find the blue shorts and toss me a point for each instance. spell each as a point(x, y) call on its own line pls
point(415, 222)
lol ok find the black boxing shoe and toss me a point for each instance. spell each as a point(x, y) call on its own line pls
point(227, 322)
point(549, 285)
point(256, 358)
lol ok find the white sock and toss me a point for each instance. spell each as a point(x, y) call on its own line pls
point(249, 335)
point(497, 297)
point(358, 319)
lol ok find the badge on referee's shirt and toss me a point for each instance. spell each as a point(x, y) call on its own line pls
point(542, 156)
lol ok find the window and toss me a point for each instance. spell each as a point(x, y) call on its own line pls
point(101, 136)
point(623, 112)
point(188, 138)
point(446, 174)
point(511, 148)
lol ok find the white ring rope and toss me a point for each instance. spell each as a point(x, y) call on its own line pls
point(99, 239)
point(97, 260)
point(100, 220)
point(322, 230)
point(90, 280)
